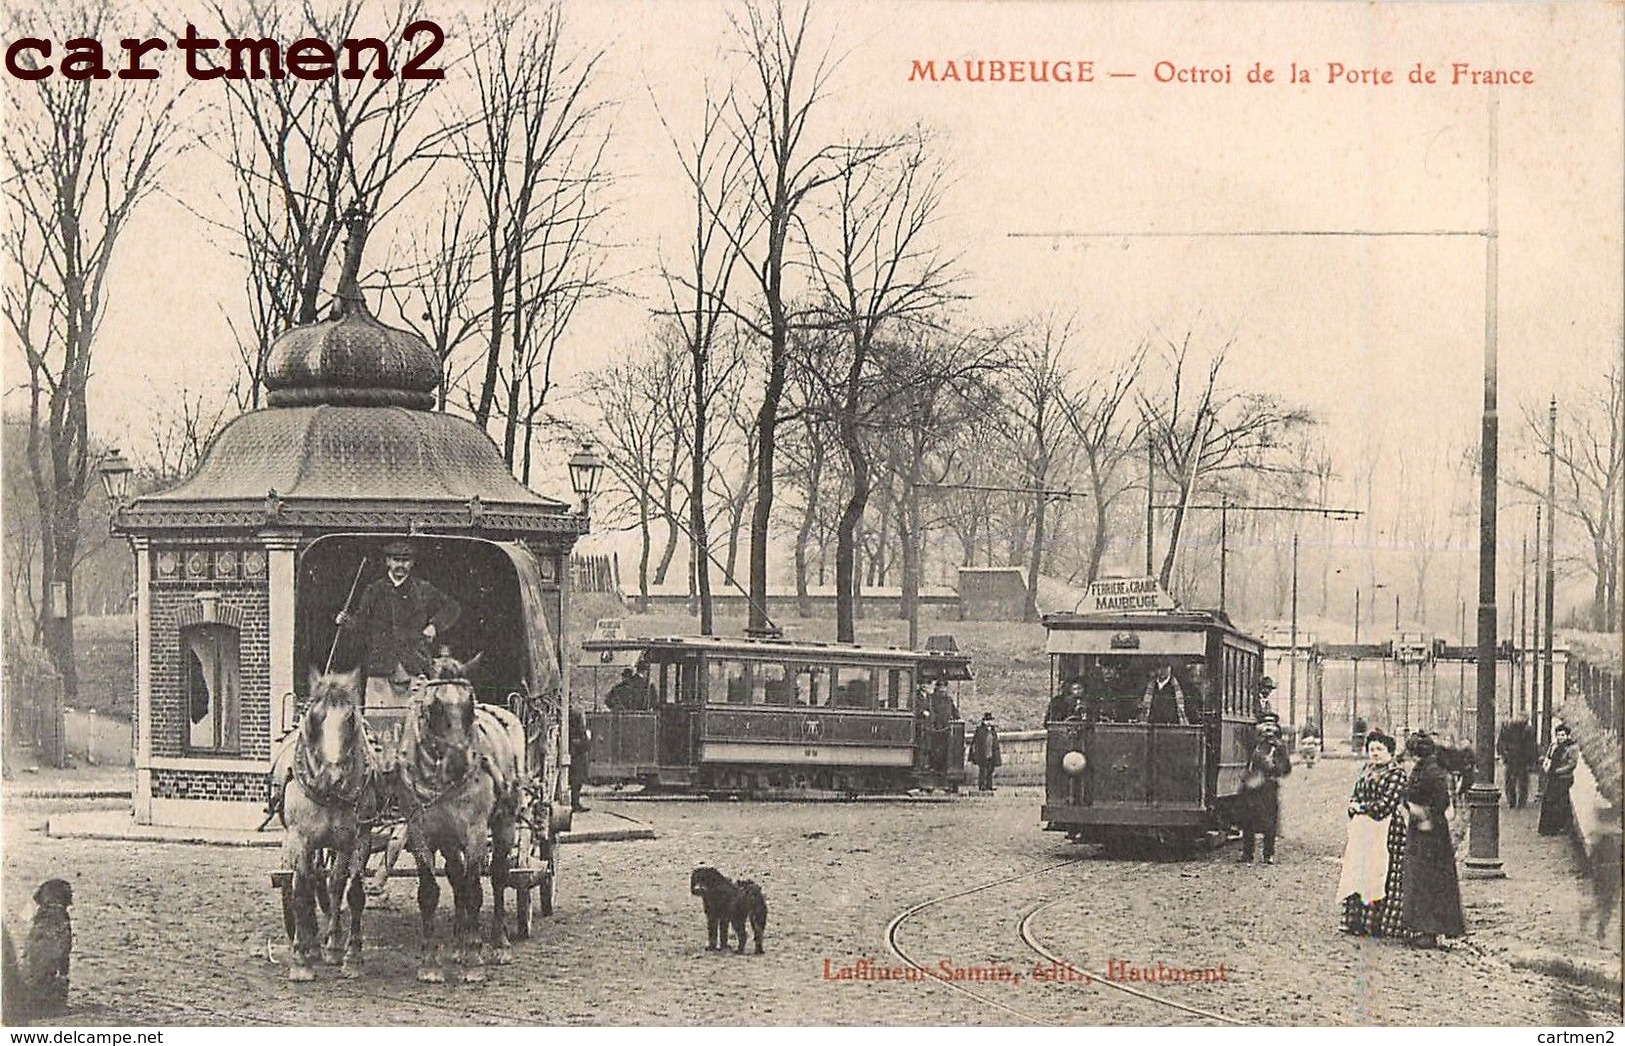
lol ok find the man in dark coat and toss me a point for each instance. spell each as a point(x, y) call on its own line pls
point(580, 749)
point(400, 618)
point(1258, 805)
point(631, 694)
point(984, 752)
point(1519, 749)
point(1164, 698)
point(943, 714)
point(1562, 760)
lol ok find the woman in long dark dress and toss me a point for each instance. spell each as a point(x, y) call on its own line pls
point(1432, 893)
point(1373, 861)
point(1556, 810)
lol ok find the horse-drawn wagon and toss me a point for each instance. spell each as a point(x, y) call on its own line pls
point(471, 769)
point(243, 567)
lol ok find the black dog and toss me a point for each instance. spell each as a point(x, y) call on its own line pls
point(729, 904)
point(38, 985)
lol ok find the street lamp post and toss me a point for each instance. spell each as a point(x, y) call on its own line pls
point(115, 479)
point(585, 468)
point(1484, 834)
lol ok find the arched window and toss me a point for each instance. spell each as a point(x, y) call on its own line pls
point(209, 653)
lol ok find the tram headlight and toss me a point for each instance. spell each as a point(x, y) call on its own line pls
point(1074, 762)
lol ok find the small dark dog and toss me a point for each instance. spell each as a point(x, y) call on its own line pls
point(729, 904)
point(38, 985)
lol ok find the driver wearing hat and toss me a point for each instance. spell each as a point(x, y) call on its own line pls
point(400, 618)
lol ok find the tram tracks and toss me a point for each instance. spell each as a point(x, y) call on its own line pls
point(1028, 936)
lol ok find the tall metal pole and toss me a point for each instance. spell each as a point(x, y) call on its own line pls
point(1354, 705)
point(1484, 838)
point(1150, 500)
point(1551, 575)
point(1224, 549)
point(1522, 689)
point(1292, 655)
point(1534, 637)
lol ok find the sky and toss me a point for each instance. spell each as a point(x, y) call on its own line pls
point(1383, 337)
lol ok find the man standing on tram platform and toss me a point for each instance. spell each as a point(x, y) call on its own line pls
point(1164, 699)
point(400, 618)
point(942, 716)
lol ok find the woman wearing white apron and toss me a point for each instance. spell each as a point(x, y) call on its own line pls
point(1369, 885)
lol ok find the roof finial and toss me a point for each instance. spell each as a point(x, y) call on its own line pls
point(350, 298)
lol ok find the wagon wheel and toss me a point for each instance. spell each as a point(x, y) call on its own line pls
point(545, 896)
point(521, 913)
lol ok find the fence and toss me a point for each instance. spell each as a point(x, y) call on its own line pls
point(33, 704)
point(1592, 712)
point(1598, 686)
point(599, 573)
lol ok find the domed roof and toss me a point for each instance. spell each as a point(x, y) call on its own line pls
point(351, 358)
point(350, 441)
point(335, 466)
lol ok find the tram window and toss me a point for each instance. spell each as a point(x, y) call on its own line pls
point(771, 684)
point(899, 689)
point(811, 686)
point(854, 687)
point(211, 687)
point(729, 683)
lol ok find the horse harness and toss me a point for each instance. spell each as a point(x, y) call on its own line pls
point(364, 769)
point(424, 774)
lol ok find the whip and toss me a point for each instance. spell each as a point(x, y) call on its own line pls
point(334, 649)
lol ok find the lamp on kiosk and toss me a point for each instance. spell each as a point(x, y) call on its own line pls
point(585, 467)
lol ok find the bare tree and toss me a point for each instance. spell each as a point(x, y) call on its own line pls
point(306, 151)
point(632, 406)
point(769, 120)
point(1590, 449)
point(79, 159)
point(1038, 404)
point(182, 432)
point(881, 271)
point(535, 152)
point(698, 298)
point(438, 299)
point(1106, 440)
point(941, 377)
point(731, 459)
point(1201, 430)
point(807, 469)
